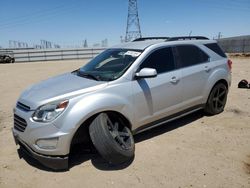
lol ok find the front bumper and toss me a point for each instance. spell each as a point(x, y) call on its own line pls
point(53, 162)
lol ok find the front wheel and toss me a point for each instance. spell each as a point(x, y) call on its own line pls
point(112, 138)
point(217, 99)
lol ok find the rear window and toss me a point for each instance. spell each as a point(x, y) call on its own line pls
point(216, 48)
point(189, 55)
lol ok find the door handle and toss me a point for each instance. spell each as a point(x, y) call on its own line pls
point(207, 68)
point(174, 80)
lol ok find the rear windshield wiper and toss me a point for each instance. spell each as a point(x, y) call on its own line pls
point(88, 75)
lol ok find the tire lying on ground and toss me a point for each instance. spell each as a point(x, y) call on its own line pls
point(112, 138)
point(217, 99)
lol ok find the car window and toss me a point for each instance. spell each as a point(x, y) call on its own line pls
point(189, 55)
point(162, 60)
point(110, 64)
point(216, 48)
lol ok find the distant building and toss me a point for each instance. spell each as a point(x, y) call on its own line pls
point(105, 43)
point(96, 45)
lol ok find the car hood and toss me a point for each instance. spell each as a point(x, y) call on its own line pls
point(61, 87)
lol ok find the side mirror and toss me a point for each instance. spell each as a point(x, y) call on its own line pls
point(146, 73)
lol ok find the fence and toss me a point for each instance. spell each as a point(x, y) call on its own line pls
point(32, 55)
point(235, 44)
point(229, 45)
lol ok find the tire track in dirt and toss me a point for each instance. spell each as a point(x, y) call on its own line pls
point(247, 165)
point(1, 121)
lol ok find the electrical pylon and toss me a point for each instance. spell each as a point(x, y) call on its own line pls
point(133, 30)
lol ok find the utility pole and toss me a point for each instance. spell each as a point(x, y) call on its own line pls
point(121, 39)
point(133, 30)
point(219, 35)
point(190, 33)
point(244, 46)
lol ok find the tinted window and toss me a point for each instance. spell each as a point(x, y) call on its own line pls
point(189, 55)
point(162, 60)
point(215, 47)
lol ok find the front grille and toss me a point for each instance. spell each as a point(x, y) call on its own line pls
point(22, 107)
point(19, 123)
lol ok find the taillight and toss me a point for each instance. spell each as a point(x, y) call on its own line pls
point(229, 63)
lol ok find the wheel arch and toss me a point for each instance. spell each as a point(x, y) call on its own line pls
point(218, 76)
point(215, 104)
point(82, 132)
point(223, 81)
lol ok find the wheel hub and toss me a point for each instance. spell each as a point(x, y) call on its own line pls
point(120, 134)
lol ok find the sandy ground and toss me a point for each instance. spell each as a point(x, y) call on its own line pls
point(195, 151)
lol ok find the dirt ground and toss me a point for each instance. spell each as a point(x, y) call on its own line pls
point(195, 151)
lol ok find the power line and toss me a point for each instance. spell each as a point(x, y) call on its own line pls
point(40, 17)
point(32, 14)
point(229, 5)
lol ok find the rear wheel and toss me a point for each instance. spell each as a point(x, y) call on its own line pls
point(217, 99)
point(112, 138)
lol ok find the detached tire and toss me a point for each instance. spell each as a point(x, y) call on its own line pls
point(112, 138)
point(217, 99)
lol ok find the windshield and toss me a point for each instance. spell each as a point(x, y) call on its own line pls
point(109, 65)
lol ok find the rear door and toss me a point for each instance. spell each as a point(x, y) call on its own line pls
point(195, 70)
point(155, 98)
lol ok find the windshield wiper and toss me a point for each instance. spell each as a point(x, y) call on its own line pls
point(88, 75)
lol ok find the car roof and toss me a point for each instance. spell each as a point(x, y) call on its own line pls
point(140, 45)
point(143, 44)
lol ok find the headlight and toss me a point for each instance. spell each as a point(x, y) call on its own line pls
point(49, 112)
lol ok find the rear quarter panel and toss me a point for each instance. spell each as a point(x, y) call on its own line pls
point(219, 71)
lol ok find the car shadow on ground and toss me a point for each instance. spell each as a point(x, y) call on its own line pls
point(167, 127)
point(80, 155)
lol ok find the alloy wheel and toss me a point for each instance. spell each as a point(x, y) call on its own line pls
point(219, 98)
point(121, 134)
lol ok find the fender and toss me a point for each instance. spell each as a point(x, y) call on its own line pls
point(84, 107)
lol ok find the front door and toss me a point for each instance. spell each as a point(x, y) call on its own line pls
point(155, 98)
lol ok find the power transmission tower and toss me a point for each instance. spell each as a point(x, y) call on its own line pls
point(133, 24)
point(85, 44)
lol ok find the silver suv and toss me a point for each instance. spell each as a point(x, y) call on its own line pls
point(125, 90)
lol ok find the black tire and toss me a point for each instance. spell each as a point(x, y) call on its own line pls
point(217, 99)
point(106, 132)
point(7, 60)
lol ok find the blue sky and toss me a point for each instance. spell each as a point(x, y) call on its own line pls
point(68, 22)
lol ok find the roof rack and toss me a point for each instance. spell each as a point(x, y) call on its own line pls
point(172, 38)
point(187, 38)
point(150, 38)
